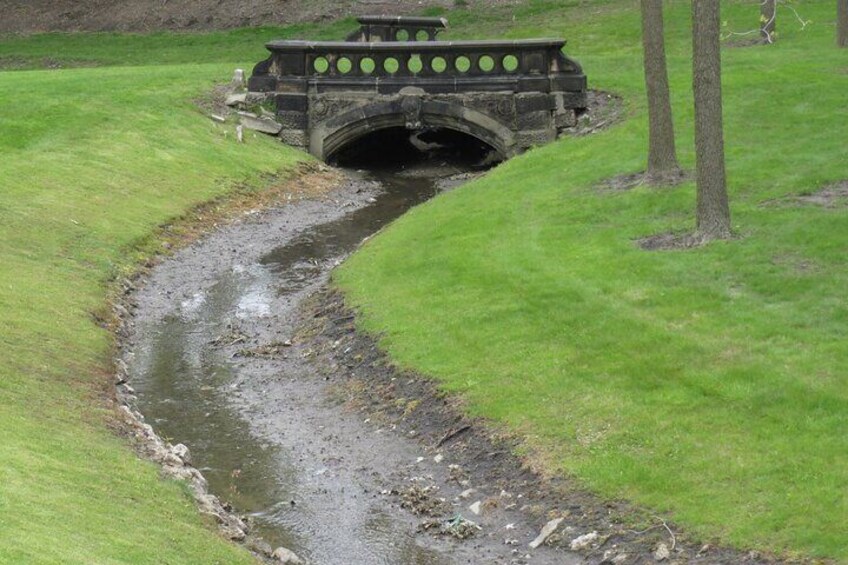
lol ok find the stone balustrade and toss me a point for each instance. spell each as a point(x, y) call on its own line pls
point(397, 28)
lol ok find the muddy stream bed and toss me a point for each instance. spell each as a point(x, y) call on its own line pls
point(215, 355)
point(266, 430)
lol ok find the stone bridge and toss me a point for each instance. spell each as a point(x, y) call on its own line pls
point(393, 72)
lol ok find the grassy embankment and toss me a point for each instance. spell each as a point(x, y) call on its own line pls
point(91, 161)
point(708, 384)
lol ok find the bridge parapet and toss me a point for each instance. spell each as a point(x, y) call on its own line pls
point(397, 28)
point(510, 94)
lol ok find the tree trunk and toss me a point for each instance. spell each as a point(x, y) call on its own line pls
point(662, 157)
point(842, 23)
point(768, 20)
point(713, 211)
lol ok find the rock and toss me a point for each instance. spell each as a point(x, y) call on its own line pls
point(467, 493)
point(238, 79)
point(662, 553)
point(476, 507)
point(217, 118)
point(287, 556)
point(236, 99)
point(264, 125)
point(619, 559)
point(182, 452)
point(584, 541)
point(438, 458)
point(231, 532)
point(547, 530)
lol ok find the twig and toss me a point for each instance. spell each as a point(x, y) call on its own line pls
point(673, 539)
point(452, 434)
point(662, 525)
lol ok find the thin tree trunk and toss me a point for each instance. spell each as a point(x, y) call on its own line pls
point(768, 20)
point(842, 23)
point(662, 157)
point(713, 211)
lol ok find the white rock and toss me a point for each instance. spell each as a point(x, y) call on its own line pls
point(182, 452)
point(662, 553)
point(547, 530)
point(263, 125)
point(287, 556)
point(438, 458)
point(619, 559)
point(238, 78)
point(236, 99)
point(476, 507)
point(584, 541)
point(467, 493)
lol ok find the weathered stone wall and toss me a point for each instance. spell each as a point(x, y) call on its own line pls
point(307, 119)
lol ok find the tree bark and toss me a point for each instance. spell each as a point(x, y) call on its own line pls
point(662, 156)
point(842, 23)
point(713, 210)
point(768, 20)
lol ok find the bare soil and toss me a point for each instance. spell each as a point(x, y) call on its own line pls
point(831, 196)
point(604, 110)
point(32, 16)
point(834, 195)
point(623, 183)
point(671, 241)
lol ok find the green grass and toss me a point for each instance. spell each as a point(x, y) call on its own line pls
point(709, 384)
point(91, 161)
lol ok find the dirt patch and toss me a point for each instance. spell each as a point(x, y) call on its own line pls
point(833, 195)
point(604, 110)
point(623, 183)
point(671, 241)
point(742, 42)
point(33, 16)
point(485, 464)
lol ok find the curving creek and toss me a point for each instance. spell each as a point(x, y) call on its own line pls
point(265, 430)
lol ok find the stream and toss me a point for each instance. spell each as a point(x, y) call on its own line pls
point(265, 430)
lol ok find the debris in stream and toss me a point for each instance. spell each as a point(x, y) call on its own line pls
point(421, 501)
point(457, 527)
point(273, 349)
point(232, 337)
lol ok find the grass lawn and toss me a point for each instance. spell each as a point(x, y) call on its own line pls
point(709, 385)
point(91, 161)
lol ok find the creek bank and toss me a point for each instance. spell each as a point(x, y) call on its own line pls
point(565, 516)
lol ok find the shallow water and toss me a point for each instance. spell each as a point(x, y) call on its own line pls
point(190, 388)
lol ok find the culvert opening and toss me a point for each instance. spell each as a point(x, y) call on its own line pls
point(398, 148)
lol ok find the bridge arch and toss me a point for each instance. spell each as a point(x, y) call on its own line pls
point(412, 113)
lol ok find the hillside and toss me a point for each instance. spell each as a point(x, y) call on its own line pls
point(30, 16)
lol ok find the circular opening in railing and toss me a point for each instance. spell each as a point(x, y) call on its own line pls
point(402, 35)
point(510, 63)
point(367, 65)
point(463, 64)
point(344, 65)
point(321, 65)
point(391, 65)
point(438, 64)
point(422, 35)
point(487, 64)
point(415, 65)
